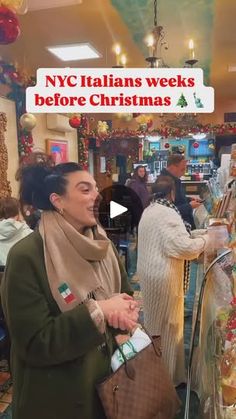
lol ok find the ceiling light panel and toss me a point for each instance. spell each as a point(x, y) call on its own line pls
point(49, 4)
point(231, 68)
point(74, 52)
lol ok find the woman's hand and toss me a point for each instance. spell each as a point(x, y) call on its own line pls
point(120, 311)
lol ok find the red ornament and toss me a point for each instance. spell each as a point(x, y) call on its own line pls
point(75, 121)
point(196, 144)
point(9, 26)
point(140, 145)
point(167, 145)
point(15, 77)
point(233, 302)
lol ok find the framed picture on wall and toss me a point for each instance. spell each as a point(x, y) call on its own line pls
point(59, 150)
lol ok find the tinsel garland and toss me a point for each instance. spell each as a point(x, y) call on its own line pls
point(165, 131)
point(83, 142)
point(17, 82)
point(5, 189)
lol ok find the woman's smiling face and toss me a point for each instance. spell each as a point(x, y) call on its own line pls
point(80, 201)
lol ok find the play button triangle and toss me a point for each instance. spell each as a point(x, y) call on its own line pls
point(116, 209)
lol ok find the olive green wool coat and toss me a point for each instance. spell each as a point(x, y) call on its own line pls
point(57, 358)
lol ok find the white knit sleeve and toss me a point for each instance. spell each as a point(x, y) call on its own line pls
point(177, 242)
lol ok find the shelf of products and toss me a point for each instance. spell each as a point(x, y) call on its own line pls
point(212, 365)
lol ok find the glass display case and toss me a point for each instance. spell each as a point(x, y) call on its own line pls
point(212, 363)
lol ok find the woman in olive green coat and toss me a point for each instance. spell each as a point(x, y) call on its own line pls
point(63, 292)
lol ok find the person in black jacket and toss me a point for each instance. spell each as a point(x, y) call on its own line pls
point(176, 166)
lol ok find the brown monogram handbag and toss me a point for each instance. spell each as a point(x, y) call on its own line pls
point(140, 388)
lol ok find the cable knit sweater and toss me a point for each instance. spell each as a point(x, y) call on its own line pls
point(163, 246)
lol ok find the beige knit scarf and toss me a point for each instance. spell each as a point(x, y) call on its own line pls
point(79, 266)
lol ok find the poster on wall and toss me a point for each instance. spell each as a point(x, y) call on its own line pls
point(58, 150)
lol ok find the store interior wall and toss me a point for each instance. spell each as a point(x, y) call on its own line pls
point(40, 134)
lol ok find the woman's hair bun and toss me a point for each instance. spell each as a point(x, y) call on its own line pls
point(33, 186)
point(39, 180)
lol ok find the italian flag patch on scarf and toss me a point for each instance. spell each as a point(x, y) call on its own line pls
point(66, 293)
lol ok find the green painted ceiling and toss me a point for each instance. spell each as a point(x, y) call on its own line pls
point(181, 20)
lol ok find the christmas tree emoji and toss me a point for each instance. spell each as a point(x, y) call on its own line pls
point(182, 101)
point(197, 101)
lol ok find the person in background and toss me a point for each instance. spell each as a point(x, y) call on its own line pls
point(32, 217)
point(176, 167)
point(12, 228)
point(163, 246)
point(64, 294)
point(141, 198)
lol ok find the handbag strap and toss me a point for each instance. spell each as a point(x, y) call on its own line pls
point(128, 367)
point(156, 349)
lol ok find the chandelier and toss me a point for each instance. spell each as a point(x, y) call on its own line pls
point(155, 42)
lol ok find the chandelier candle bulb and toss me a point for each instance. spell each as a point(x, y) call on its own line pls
point(117, 50)
point(191, 49)
point(150, 44)
point(123, 60)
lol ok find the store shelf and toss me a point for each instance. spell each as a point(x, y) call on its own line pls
point(212, 363)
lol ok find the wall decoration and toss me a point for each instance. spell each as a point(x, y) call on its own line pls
point(83, 152)
point(102, 128)
point(58, 150)
point(28, 121)
point(109, 123)
point(17, 81)
point(5, 189)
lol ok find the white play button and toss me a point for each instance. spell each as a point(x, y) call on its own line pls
point(116, 209)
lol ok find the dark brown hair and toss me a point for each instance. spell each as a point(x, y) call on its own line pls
point(175, 159)
point(136, 175)
point(39, 181)
point(9, 207)
point(163, 186)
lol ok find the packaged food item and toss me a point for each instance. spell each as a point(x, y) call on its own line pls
point(233, 167)
point(228, 374)
point(233, 152)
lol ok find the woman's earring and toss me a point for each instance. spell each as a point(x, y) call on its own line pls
point(61, 211)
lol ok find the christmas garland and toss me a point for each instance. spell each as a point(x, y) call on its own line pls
point(5, 189)
point(212, 129)
point(165, 132)
point(17, 82)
